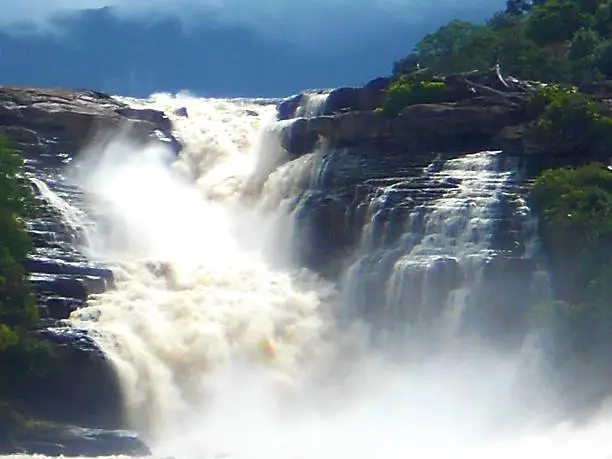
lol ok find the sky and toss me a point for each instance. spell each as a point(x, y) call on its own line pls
point(279, 46)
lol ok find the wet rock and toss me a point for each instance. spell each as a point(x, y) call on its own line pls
point(298, 139)
point(80, 387)
point(57, 307)
point(182, 111)
point(353, 99)
point(159, 119)
point(70, 441)
point(288, 107)
point(378, 84)
point(458, 127)
point(62, 267)
point(52, 123)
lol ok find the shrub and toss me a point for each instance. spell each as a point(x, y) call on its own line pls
point(408, 90)
point(575, 211)
point(22, 356)
point(571, 118)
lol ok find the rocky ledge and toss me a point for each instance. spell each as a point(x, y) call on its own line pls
point(51, 124)
point(479, 111)
point(50, 439)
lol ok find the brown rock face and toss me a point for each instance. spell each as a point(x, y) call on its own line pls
point(47, 122)
point(448, 127)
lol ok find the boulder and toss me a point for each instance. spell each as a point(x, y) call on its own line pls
point(286, 109)
point(338, 100)
point(80, 387)
point(182, 111)
point(51, 123)
point(159, 119)
point(353, 99)
point(378, 84)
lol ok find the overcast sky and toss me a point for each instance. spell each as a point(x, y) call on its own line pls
point(216, 47)
point(298, 21)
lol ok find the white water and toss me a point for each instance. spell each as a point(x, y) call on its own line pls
point(459, 227)
point(221, 355)
point(311, 105)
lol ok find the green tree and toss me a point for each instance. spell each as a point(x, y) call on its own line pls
point(575, 209)
point(16, 202)
point(556, 21)
point(560, 41)
point(603, 19)
point(573, 120)
point(583, 44)
point(21, 354)
point(603, 58)
point(456, 47)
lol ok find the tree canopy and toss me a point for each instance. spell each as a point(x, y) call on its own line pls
point(562, 41)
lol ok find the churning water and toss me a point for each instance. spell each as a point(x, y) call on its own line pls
point(223, 351)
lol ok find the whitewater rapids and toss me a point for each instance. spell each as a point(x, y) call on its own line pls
point(225, 350)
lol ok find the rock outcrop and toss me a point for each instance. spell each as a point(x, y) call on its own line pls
point(50, 124)
point(50, 439)
point(480, 111)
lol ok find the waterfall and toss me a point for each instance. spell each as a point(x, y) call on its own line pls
point(426, 275)
point(194, 291)
point(311, 104)
point(222, 350)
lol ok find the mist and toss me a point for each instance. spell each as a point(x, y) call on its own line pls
point(467, 404)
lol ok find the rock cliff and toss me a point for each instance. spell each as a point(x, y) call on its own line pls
point(376, 176)
point(51, 124)
point(479, 111)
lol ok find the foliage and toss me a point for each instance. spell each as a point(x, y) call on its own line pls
point(407, 91)
point(562, 41)
point(21, 355)
point(556, 21)
point(575, 206)
point(516, 7)
point(457, 46)
point(575, 209)
point(571, 118)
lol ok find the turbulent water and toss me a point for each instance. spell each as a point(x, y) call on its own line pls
point(224, 349)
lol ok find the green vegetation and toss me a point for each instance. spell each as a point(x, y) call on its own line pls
point(572, 119)
point(575, 209)
point(22, 356)
point(562, 41)
point(407, 90)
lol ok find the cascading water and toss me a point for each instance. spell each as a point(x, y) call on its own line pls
point(168, 326)
point(426, 275)
point(311, 104)
point(221, 353)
